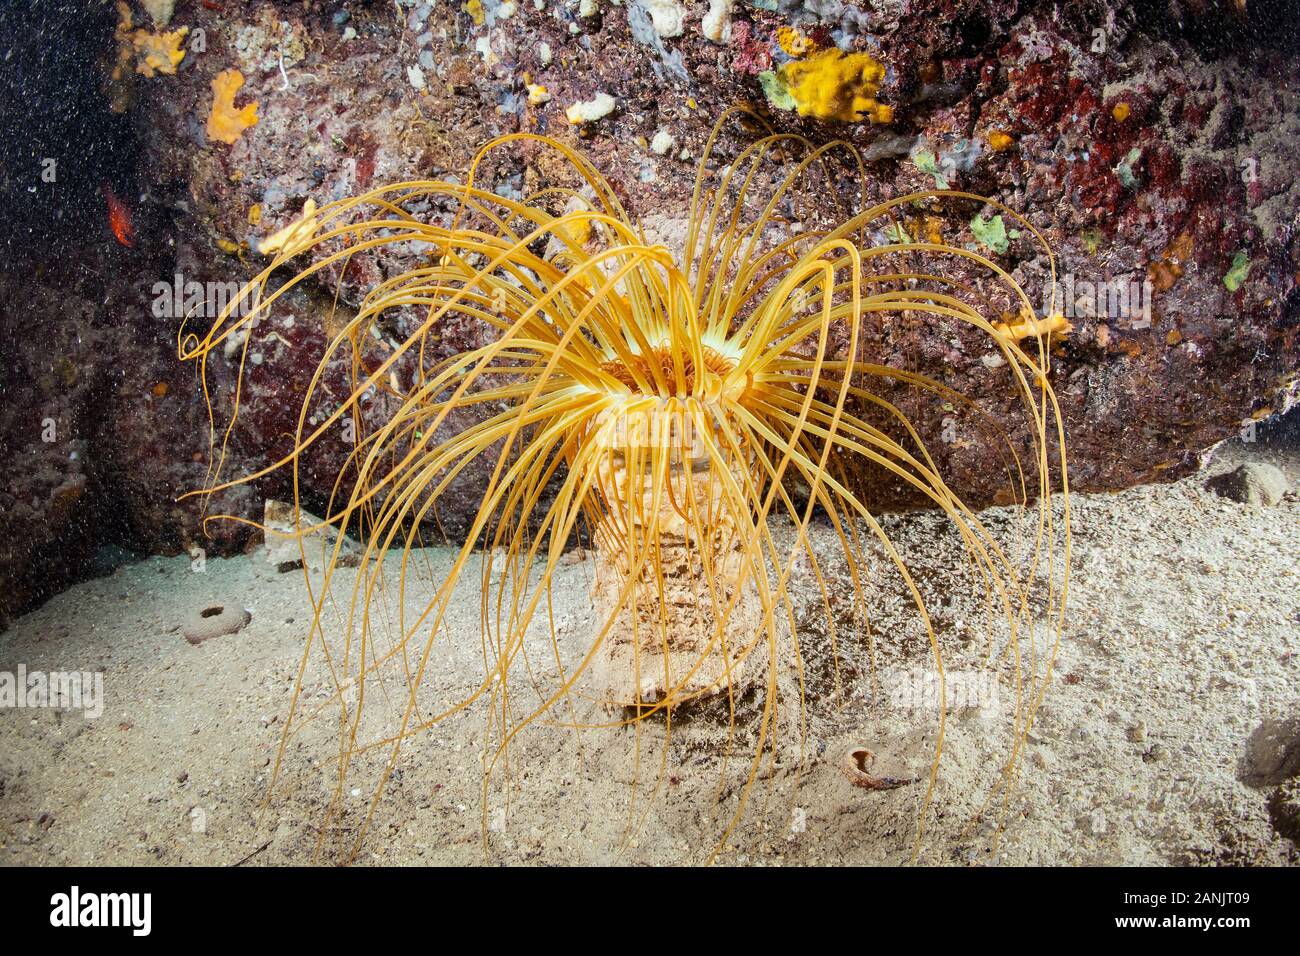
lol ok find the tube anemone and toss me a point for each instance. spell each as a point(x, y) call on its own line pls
point(690, 413)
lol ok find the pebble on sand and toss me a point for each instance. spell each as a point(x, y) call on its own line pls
point(1254, 483)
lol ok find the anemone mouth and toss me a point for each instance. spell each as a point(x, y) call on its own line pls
point(643, 372)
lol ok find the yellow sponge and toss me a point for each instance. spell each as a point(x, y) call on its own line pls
point(834, 85)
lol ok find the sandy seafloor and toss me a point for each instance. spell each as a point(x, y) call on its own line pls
point(1182, 639)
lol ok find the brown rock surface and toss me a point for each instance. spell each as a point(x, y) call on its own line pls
point(1141, 152)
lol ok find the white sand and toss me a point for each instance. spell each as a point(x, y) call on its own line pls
point(1183, 636)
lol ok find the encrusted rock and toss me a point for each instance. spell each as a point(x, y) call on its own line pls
point(1132, 156)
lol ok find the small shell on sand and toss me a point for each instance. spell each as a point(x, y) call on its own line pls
point(856, 764)
point(214, 620)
